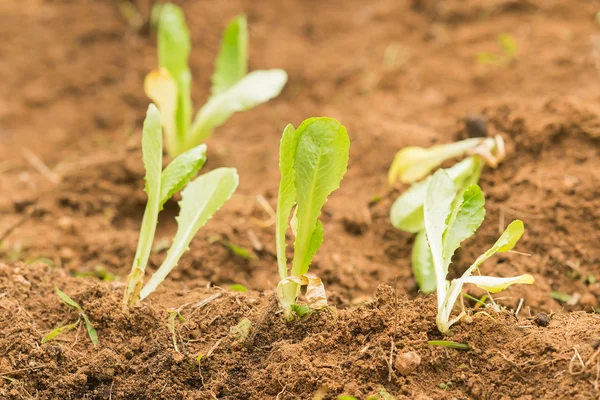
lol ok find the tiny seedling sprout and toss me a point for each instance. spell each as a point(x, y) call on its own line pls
point(233, 88)
point(65, 328)
point(312, 161)
point(509, 47)
point(412, 164)
point(201, 198)
point(449, 220)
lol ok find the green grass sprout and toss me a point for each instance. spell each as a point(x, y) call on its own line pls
point(93, 335)
point(312, 160)
point(201, 198)
point(413, 165)
point(174, 314)
point(233, 88)
point(449, 220)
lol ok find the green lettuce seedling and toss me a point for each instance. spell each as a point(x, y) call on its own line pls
point(449, 220)
point(66, 328)
point(233, 88)
point(201, 198)
point(414, 163)
point(312, 160)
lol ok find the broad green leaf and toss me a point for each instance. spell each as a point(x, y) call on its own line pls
point(152, 158)
point(414, 163)
point(180, 171)
point(232, 62)
point(161, 88)
point(59, 331)
point(173, 52)
point(407, 211)
point(505, 242)
point(465, 219)
point(494, 284)
point(316, 240)
point(90, 330)
point(200, 200)
point(422, 264)
point(320, 164)
point(439, 198)
point(66, 299)
point(255, 88)
point(287, 195)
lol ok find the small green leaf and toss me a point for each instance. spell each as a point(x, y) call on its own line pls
point(505, 242)
point(66, 299)
point(346, 397)
point(180, 171)
point(90, 330)
point(562, 297)
point(199, 358)
point(59, 331)
point(465, 219)
point(287, 195)
point(238, 288)
point(302, 310)
point(508, 44)
point(232, 62)
point(487, 58)
point(449, 344)
point(200, 200)
point(254, 89)
point(438, 202)
point(422, 264)
point(494, 284)
point(407, 211)
point(238, 250)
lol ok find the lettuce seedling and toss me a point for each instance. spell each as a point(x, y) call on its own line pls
point(414, 163)
point(449, 220)
point(312, 160)
point(233, 88)
point(66, 328)
point(201, 198)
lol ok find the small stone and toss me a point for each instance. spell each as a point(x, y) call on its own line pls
point(67, 253)
point(66, 224)
point(588, 300)
point(542, 319)
point(476, 126)
point(407, 363)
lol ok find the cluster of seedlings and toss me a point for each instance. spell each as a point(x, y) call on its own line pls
point(442, 209)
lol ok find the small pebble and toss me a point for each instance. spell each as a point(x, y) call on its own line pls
point(407, 363)
point(476, 126)
point(542, 319)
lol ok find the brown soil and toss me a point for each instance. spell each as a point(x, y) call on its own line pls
point(71, 96)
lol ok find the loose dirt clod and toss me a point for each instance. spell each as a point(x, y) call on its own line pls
point(542, 319)
point(407, 363)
